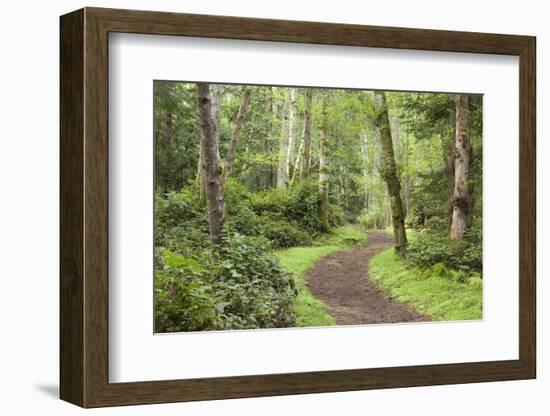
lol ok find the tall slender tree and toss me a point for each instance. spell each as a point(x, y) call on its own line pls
point(231, 153)
point(306, 154)
point(291, 132)
point(388, 171)
point(461, 195)
point(282, 168)
point(449, 160)
point(324, 205)
point(366, 174)
point(208, 107)
point(216, 91)
point(303, 157)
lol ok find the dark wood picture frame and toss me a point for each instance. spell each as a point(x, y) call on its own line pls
point(84, 207)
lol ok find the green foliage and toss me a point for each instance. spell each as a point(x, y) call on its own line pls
point(429, 249)
point(298, 206)
point(273, 201)
point(181, 223)
point(436, 292)
point(246, 288)
point(283, 233)
point(256, 290)
point(183, 295)
point(176, 137)
point(303, 206)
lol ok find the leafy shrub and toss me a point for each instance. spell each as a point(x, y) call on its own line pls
point(255, 289)
point(183, 295)
point(181, 223)
point(175, 208)
point(245, 288)
point(428, 249)
point(299, 207)
point(282, 233)
point(303, 204)
point(272, 201)
point(436, 224)
point(337, 216)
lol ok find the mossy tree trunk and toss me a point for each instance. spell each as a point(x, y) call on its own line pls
point(388, 171)
point(461, 195)
point(324, 204)
point(208, 106)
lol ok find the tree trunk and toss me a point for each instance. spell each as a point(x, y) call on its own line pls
point(211, 169)
point(282, 172)
point(291, 132)
point(216, 96)
point(268, 109)
point(461, 196)
point(272, 114)
point(365, 153)
point(324, 205)
point(388, 171)
point(450, 164)
point(407, 175)
point(301, 166)
point(235, 136)
point(344, 187)
point(297, 163)
point(306, 155)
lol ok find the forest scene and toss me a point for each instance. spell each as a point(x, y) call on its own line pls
point(281, 207)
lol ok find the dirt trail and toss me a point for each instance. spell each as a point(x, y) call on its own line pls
point(341, 281)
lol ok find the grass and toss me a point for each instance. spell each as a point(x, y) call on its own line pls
point(311, 311)
point(432, 292)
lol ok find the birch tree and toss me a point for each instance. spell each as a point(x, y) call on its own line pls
point(303, 157)
point(282, 172)
point(291, 132)
point(324, 205)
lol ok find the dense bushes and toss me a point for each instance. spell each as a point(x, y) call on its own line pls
point(431, 248)
point(245, 288)
point(299, 206)
point(286, 219)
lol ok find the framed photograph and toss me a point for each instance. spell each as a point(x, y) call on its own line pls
point(257, 207)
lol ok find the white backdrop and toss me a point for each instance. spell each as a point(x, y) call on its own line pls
point(29, 220)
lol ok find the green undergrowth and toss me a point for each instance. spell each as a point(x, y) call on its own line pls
point(439, 291)
point(309, 310)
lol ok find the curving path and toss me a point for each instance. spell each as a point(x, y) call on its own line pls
point(342, 282)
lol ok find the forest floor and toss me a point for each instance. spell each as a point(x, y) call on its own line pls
point(341, 281)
